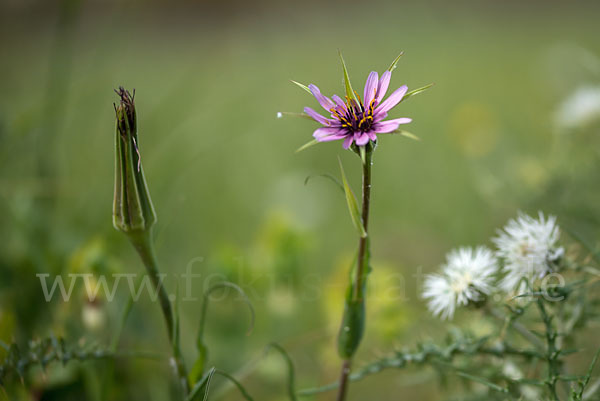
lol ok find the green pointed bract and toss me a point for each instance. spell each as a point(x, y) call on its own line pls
point(392, 67)
point(302, 86)
point(307, 145)
point(133, 211)
point(349, 91)
point(416, 91)
point(406, 134)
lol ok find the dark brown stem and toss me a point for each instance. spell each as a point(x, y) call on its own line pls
point(341, 396)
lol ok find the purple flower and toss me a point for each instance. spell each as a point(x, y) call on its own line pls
point(355, 120)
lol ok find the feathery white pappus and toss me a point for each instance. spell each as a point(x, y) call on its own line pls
point(527, 247)
point(466, 277)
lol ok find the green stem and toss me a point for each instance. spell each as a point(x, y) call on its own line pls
point(552, 352)
point(363, 244)
point(142, 242)
point(363, 241)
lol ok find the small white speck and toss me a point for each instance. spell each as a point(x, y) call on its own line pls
point(279, 114)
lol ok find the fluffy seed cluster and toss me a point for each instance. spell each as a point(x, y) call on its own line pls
point(527, 249)
point(466, 277)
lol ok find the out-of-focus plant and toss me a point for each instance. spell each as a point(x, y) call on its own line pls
point(538, 296)
point(357, 121)
point(134, 215)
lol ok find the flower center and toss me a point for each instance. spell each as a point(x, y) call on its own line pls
point(355, 116)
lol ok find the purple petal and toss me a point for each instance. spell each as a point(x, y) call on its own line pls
point(384, 83)
point(372, 135)
point(370, 87)
point(324, 101)
point(361, 139)
point(326, 131)
point(348, 142)
point(334, 137)
point(385, 127)
point(316, 116)
point(338, 100)
point(392, 100)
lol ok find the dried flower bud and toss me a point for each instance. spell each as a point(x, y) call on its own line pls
point(132, 210)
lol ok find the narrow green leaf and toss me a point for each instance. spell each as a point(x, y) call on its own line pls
point(328, 176)
point(244, 298)
point(352, 204)
point(200, 390)
point(307, 145)
point(239, 385)
point(352, 328)
point(302, 86)
point(176, 321)
point(198, 368)
point(392, 67)
point(290, 366)
point(114, 343)
point(484, 382)
point(586, 380)
point(349, 91)
point(594, 252)
point(416, 91)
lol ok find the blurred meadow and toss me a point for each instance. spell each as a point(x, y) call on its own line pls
point(511, 124)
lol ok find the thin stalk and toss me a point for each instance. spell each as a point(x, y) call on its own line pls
point(361, 260)
point(518, 327)
point(145, 248)
point(552, 353)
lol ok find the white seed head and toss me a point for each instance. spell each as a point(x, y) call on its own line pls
point(528, 247)
point(466, 277)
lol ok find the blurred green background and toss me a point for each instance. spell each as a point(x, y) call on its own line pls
point(512, 123)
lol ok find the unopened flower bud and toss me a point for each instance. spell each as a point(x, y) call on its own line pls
point(133, 211)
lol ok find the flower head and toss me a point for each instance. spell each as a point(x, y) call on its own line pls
point(357, 120)
point(528, 248)
point(466, 277)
